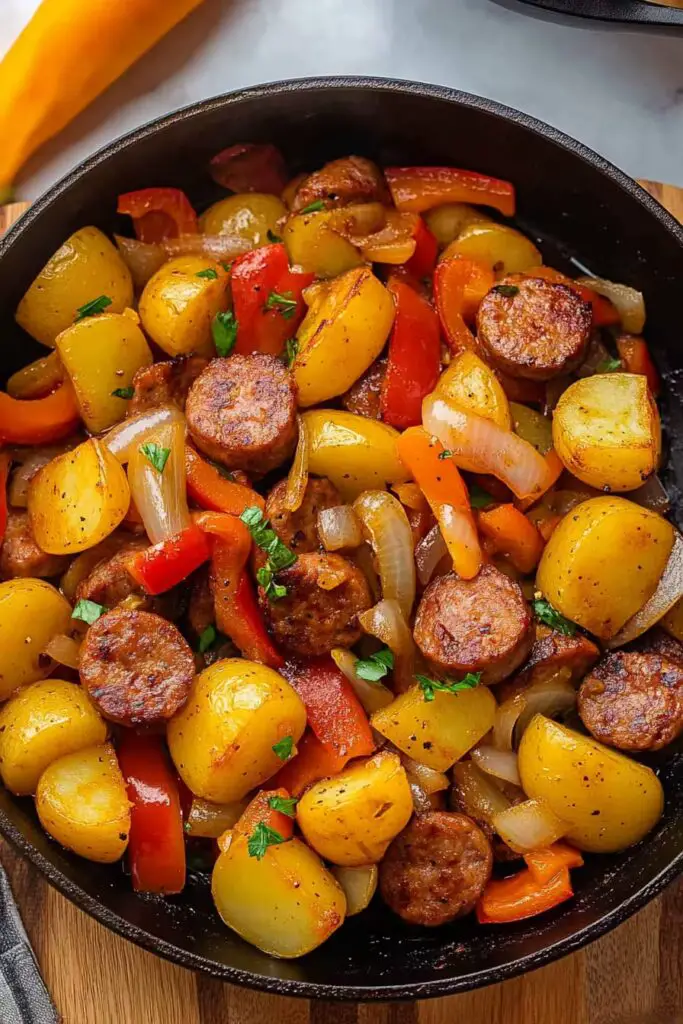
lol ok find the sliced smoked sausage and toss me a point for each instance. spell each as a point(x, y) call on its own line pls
point(109, 582)
point(480, 625)
point(136, 666)
point(20, 554)
point(350, 179)
point(165, 383)
point(325, 595)
point(364, 396)
point(633, 700)
point(436, 869)
point(241, 411)
point(299, 530)
point(530, 327)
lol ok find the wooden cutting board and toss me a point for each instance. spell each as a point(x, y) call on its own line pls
point(634, 975)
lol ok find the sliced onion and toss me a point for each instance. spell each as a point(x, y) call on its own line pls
point(429, 552)
point(550, 697)
point(505, 721)
point(411, 496)
point(161, 498)
point(668, 593)
point(372, 695)
point(500, 763)
point(339, 527)
point(630, 303)
point(64, 650)
point(250, 167)
point(297, 481)
point(530, 825)
point(385, 621)
point(482, 446)
point(387, 526)
point(218, 247)
point(429, 779)
point(421, 802)
point(365, 560)
point(143, 259)
point(478, 794)
point(127, 435)
point(30, 461)
point(211, 820)
point(652, 495)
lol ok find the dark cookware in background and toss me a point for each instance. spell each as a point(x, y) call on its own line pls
point(578, 206)
point(640, 12)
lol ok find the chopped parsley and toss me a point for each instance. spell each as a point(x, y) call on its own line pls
point(207, 638)
point(261, 838)
point(274, 591)
point(284, 303)
point(283, 804)
point(92, 308)
point(479, 498)
point(272, 237)
point(210, 274)
point(291, 350)
point(508, 290)
point(313, 207)
point(544, 612)
point(126, 393)
point(375, 667)
point(446, 454)
point(155, 454)
point(430, 686)
point(279, 555)
point(224, 332)
point(284, 747)
point(227, 267)
point(87, 611)
point(608, 366)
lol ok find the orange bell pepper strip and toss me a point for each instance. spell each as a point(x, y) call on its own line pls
point(414, 360)
point(39, 420)
point(605, 313)
point(267, 299)
point(259, 812)
point(417, 189)
point(513, 535)
point(444, 488)
point(164, 565)
point(546, 863)
point(214, 492)
point(333, 710)
point(313, 761)
point(521, 896)
point(159, 213)
point(460, 284)
point(635, 356)
point(5, 463)
point(64, 59)
point(423, 260)
point(237, 612)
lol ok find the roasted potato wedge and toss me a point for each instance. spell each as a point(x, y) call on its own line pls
point(470, 384)
point(180, 301)
point(500, 247)
point(31, 613)
point(253, 216)
point(314, 246)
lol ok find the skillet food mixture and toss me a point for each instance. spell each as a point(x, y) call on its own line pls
point(358, 561)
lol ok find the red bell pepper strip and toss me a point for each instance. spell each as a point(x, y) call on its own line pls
point(159, 213)
point(546, 863)
point(636, 358)
point(237, 612)
point(513, 535)
point(521, 896)
point(163, 565)
point(267, 300)
point(313, 761)
point(333, 710)
point(414, 359)
point(39, 420)
point(5, 463)
point(249, 167)
point(156, 848)
point(460, 284)
point(605, 313)
point(417, 189)
point(259, 812)
point(211, 491)
point(423, 260)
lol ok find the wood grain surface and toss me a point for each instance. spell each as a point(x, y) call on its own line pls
point(634, 975)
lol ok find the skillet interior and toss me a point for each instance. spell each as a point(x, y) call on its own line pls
point(565, 193)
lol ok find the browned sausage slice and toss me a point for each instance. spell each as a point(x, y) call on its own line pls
point(436, 869)
point(136, 666)
point(299, 530)
point(364, 396)
point(109, 582)
point(552, 653)
point(20, 554)
point(529, 327)
point(325, 595)
point(165, 383)
point(633, 701)
point(480, 625)
point(351, 179)
point(241, 412)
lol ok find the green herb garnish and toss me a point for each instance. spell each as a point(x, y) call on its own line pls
point(261, 838)
point(210, 274)
point(207, 638)
point(284, 303)
point(608, 366)
point(479, 498)
point(87, 611)
point(313, 207)
point(544, 612)
point(92, 308)
point(126, 393)
point(446, 454)
point(279, 555)
point(272, 237)
point(508, 290)
point(375, 667)
point(284, 747)
point(155, 454)
point(274, 591)
point(291, 350)
point(430, 686)
point(224, 332)
point(227, 267)
point(283, 804)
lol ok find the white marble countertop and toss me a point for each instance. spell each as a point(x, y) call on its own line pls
point(620, 90)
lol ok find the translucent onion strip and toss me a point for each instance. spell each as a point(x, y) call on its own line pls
point(500, 763)
point(339, 528)
point(64, 650)
point(297, 481)
point(211, 820)
point(430, 779)
point(428, 553)
point(668, 593)
point(550, 697)
point(387, 526)
point(372, 695)
point(530, 825)
point(477, 793)
point(125, 436)
point(630, 303)
point(385, 621)
point(161, 498)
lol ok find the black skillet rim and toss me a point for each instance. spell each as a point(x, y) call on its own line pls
point(192, 961)
point(625, 12)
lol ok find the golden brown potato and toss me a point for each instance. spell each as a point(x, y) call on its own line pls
point(287, 903)
point(351, 819)
point(470, 384)
point(500, 247)
point(447, 221)
point(609, 801)
point(532, 426)
point(606, 430)
point(101, 355)
point(603, 562)
point(180, 301)
point(82, 802)
point(31, 613)
point(86, 267)
point(313, 246)
point(41, 723)
point(251, 216)
point(78, 499)
point(222, 740)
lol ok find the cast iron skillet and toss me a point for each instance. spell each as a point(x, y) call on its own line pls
point(641, 12)
point(578, 206)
